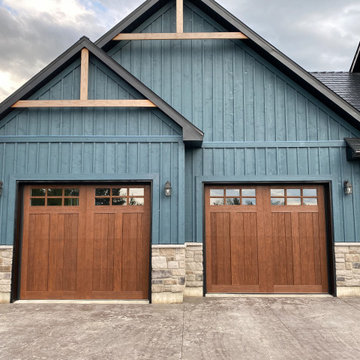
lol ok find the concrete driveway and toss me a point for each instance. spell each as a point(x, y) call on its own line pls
point(207, 328)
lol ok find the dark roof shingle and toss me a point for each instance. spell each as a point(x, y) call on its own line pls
point(345, 84)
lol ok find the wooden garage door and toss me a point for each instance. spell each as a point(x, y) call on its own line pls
point(266, 239)
point(85, 242)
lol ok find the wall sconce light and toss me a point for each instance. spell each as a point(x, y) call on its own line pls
point(348, 188)
point(1, 187)
point(167, 189)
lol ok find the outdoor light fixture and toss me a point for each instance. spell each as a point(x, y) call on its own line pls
point(1, 187)
point(348, 189)
point(167, 189)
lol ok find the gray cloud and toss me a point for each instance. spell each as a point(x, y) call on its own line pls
point(318, 35)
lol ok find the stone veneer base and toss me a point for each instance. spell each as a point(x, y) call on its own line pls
point(347, 260)
point(177, 271)
point(6, 256)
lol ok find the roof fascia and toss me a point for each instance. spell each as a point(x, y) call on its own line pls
point(355, 66)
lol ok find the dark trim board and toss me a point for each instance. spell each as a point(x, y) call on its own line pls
point(16, 266)
point(329, 222)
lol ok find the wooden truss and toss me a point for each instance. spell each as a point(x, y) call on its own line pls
point(84, 100)
point(179, 35)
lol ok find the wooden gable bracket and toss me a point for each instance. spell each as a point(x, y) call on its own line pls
point(180, 35)
point(84, 100)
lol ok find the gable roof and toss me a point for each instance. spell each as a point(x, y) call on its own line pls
point(191, 134)
point(355, 66)
point(345, 84)
point(254, 41)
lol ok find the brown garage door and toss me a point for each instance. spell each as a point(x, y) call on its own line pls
point(85, 242)
point(266, 239)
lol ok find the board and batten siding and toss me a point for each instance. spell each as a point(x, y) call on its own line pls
point(94, 144)
point(259, 125)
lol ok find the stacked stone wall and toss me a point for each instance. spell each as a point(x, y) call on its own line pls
point(168, 274)
point(347, 259)
point(194, 281)
point(6, 256)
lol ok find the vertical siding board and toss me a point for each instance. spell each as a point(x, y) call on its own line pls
point(269, 105)
point(291, 113)
point(229, 161)
point(249, 98)
point(303, 165)
point(259, 113)
point(240, 162)
point(282, 162)
point(228, 92)
point(280, 115)
point(250, 162)
point(271, 162)
point(314, 161)
point(238, 94)
point(312, 115)
point(208, 91)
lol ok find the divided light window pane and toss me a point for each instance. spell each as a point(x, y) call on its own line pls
point(217, 192)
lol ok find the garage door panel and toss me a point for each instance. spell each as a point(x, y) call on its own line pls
point(244, 255)
point(221, 248)
point(278, 244)
point(103, 254)
point(63, 252)
point(282, 248)
point(131, 222)
point(37, 254)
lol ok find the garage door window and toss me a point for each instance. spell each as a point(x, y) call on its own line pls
point(232, 197)
point(54, 197)
point(119, 196)
point(294, 197)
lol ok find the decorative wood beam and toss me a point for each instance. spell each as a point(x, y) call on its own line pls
point(84, 81)
point(179, 16)
point(180, 36)
point(82, 103)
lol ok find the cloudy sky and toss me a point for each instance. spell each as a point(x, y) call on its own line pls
point(317, 34)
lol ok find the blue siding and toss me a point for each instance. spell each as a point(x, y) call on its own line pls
point(259, 125)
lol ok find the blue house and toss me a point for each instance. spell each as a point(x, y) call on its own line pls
point(179, 155)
